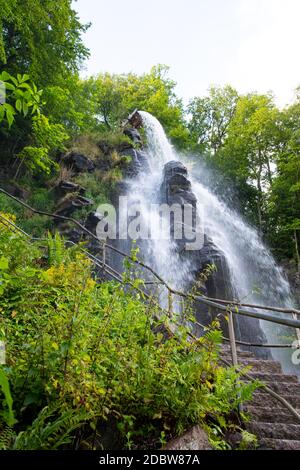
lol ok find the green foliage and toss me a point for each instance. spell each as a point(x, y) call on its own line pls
point(6, 415)
point(47, 135)
point(91, 349)
point(36, 158)
point(48, 138)
point(46, 43)
point(53, 428)
point(114, 96)
point(249, 441)
point(211, 116)
point(20, 97)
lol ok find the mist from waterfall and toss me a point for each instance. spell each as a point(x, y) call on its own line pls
point(255, 277)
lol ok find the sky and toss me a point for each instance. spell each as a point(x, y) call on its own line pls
point(253, 45)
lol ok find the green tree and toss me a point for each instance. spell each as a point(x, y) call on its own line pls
point(41, 38)
point(113, 97)
point(210, 117)
point(250, 147)
point(284, 203)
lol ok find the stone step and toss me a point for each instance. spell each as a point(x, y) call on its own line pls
point(227, 354)
point(279, 444)
point(274, 430)
point(260, 365)
point(263, 399)
point(270, 377)
point(285, 388)
point(269, 415)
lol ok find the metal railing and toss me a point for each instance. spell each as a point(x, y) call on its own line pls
point(230, 307)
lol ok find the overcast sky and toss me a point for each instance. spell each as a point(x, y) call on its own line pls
point(253, 45)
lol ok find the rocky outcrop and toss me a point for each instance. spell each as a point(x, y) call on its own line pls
point(134, 136)
point(69, 204)
point(176, 189)
point(139, 158)
point(78, 162)
point(70, 187)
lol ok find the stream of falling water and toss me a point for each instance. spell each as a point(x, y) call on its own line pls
point(254, 274)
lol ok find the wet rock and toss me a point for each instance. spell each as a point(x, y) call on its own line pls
point(92, 221)
point(78, 162)
point(138, 163)
point(194, 439)
point(134, 135)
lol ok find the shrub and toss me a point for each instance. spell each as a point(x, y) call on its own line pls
point(95, 350)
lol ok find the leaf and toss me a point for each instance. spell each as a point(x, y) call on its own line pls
point(25, 85)
point(5, 76)
point(10, 86)
point(25, 77)
point(25, 108)
point(2, 112)
point(14, 80)
point(19, 105)
point(10, 117)
point(4, 384)
point(3, 263)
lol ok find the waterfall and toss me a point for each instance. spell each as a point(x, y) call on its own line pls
point(254, 275)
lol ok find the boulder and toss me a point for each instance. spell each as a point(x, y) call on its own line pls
point(78, 162)
point(194, 439)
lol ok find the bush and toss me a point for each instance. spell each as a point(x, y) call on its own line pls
point(92, 349)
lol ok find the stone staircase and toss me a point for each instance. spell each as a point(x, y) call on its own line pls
point(273, 424)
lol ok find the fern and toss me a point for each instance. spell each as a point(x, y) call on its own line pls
point(56, 249)
point(52, 429)
point(7, 437)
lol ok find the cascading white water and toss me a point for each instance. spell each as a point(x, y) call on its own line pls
point(254, 274)
point(144, 190)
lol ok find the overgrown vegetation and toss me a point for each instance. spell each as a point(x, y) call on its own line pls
point(82, 354)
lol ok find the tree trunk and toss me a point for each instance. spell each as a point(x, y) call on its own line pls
point(259, 199)
point(297, 252)
point(269, 172)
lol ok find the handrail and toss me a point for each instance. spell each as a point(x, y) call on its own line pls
point(232, 339)
point(118, 276)
point(220, 304)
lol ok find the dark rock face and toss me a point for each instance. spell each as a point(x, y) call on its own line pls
point(139, 158)
point(134, 135)
point(176, 188)
point(79, 162)
point(138, 164)
point(92, 221)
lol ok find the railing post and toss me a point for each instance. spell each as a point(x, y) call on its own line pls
point(297, 329)
point(104, 256)
point(233, 347)
point(232, 339)
point(170, 304)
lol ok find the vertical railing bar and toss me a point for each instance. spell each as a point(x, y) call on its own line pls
point(233, 348)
